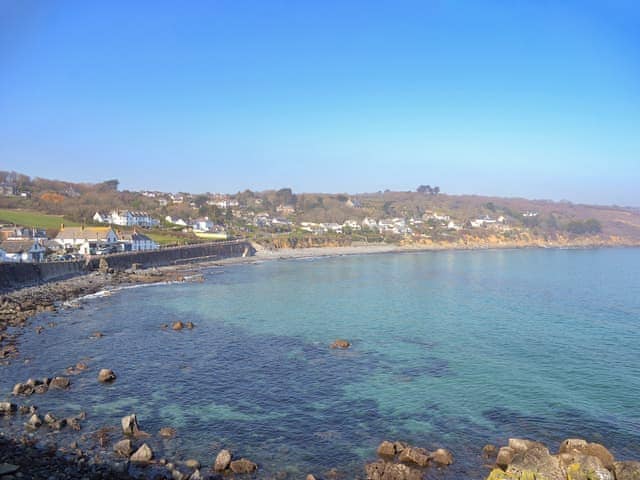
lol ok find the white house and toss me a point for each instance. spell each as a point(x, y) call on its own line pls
point(352, 224)
point(126, 218)
point(22, 250)
point(370, 223)
point(202, 224)
point(332, 227)
point(136, 241)
point(86, 239)
point(175, 221)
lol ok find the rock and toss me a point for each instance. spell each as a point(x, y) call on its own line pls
point(97, 335)
point(341, 343)
point(222, 461)
point(34, 421)
point(190, 325)
point(243, 466)
point(143, 455)
point(130, 425)
point(81, 366)
point(60, 383)
point(50, 418)
point(537, 459)
point(578, 445)
point(192, 463)
point(386, 449)
point(7, 408)
point(177, 325)
point(310, 477)
point(400, 446)
point(167, 432)
point(124, 448)
point(106, 375)
point(442, 456)
point(489, 451)
point(505, 455)
point(8, 469)
point(58, 424)
point(22, 389)
point(196, 475)
point(627, 470)
point(587, 469)
point(419, 456)
point(382, 470)
point(520, 445)
point(40, 389)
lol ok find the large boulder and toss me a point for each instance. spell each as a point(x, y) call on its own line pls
point(60, 382)
point(177, 325)
point(578, 445)
point(386, 449)
point(106, 375)
point(7, 408)
point(222, 461)
point(242, 466)
point(627, 470)
point(588, 471)
point(537, 459)
point(34, 421)
point(382, 470)
point(489, 451)
point(442, 456)
point(520, 445)
point(505, 455)
point(130, 424)
point(124, 448)
point(419, 456)
point(143, 455)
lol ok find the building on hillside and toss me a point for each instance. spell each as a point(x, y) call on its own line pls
point(202, 225)
point(86, 240)
point(136, 241)
point(28, 250)
point(126, 218)
point(352, 224)
point(7, 190)
point(370, 223)
point(175, 221)
point(286, 209)
point(332, 227)
point(102, 217)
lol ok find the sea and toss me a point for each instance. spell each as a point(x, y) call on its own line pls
point(449, 349)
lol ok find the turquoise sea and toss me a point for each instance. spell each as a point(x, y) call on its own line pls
point(451, 349)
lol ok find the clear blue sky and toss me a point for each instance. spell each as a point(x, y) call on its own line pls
point(538, 99)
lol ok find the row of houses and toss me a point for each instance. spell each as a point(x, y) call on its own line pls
point(80, 240)
point(126, 218)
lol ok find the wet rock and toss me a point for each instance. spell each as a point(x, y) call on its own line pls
point(242, 466)
point(130, 425)
point(196, 475)
point(7, 408)
point(34, 421)
point(222, 461)
point(382, 470)
point(189, 325)
point(167, 432)
point(106, 375)
point(50, 417)
point(192, 463)
point(81, 366)
point(61, 383)
point(124, 448)
point(24, 409)
point(419, 456)
point(41, 389)
point(177, 325)
point(58, 424)
point(442, 456)
point(505, 456)
point(341, 343)
point(97, 335)
point(578, 445)
point(386, 449)
point(21, 389)
point(400, 446)
point(627, 470)
point(143, 455)
point(489, 451)
point(310, 477)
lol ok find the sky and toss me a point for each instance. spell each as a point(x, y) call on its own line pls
point(535, 99)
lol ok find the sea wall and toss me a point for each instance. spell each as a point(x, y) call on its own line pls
point(19, 275)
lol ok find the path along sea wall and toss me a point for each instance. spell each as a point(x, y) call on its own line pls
point(18, 275)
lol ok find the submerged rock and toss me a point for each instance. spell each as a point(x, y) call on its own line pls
point(341, 343)
point(489, 451)
point(167, 432)
point(106, 375)
point(222, 461)
point(242, 466)
point(442, 456)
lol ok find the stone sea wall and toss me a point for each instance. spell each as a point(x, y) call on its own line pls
point(18, 275)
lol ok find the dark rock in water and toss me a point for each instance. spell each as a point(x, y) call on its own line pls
point(124, 448)
point(243, 466)
point(21, 389)
point(177, 325)
point(382, 470)
point(143, 455)
point(222, 461)
point(341, 343)
point(8, 469)
point(7, 408)
point(578, 445)
point(489, 451)
point(40, 389)
point(442, 456)
point(419, 456)
point(167, 432)
point(130, 425)
point(627, 470)
point(386, 449)
point(60, 383)
point(106, 375)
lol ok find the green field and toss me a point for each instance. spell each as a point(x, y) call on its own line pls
point(28, 218)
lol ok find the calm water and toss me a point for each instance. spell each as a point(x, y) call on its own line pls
point(449, 349)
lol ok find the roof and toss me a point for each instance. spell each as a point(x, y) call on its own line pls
point(17, 246)
point(84, 232)
point(134, 237)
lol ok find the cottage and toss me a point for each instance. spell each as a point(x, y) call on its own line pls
point(136, 242)
point(202, 224)
point(86, 239)
point(126, 218)
point(29, 250)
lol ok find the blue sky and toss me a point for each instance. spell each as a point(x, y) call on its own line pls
point(536, 99)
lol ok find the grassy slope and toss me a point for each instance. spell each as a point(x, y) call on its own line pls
point(29, 218)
